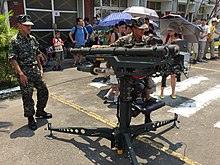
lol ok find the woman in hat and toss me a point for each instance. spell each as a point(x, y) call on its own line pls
point(171, 37)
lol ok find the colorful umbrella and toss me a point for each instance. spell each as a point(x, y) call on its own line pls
point(115, 18)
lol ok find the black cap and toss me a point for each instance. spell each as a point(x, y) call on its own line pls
point(86, 19)
point(24, 19)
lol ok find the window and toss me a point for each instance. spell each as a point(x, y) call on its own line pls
point(115, 3)
point(201, 10)
point(182, 8)
point(154, 5)
point(111, 3)
point(106, 7)
point(106, 2)
point(39, 4)
point(69, 5)
point(48, 15)
point(97, 2)
point(123, 3)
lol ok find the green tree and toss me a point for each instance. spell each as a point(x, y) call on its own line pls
point(7, 74)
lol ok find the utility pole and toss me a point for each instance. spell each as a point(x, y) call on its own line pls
point(214, 10)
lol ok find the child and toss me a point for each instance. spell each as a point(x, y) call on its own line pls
point(58, 48)
point(114, 88)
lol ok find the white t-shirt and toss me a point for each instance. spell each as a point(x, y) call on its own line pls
point(205, 31)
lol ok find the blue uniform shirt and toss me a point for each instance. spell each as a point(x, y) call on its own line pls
point(89, 29)
point(79, 36)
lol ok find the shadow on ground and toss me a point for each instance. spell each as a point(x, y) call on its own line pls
point(24, 131)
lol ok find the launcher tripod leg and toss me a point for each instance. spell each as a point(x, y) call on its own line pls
point(121, 136)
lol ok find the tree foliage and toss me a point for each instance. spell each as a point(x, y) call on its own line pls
point(7, 74)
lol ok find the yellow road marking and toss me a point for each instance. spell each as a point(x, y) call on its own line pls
point(81, 109)
point(140, 138)
point(201, 68)
point(167, 150)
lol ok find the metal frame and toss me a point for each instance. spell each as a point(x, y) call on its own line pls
point(126, 64)
point(52, 13)
point(122, 136)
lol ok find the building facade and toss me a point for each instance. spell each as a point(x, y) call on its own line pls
point(48, 15)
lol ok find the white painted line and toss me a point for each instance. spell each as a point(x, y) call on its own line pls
point(10, 90)
point(184, 85)
point(97, 84)
point(181, 86)
point(217, 125)
point(198, 102)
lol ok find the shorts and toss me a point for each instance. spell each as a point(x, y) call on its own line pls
point(59, 56)
point(149, 82)
point(113, 79)
point(78, 46)
point(193, 47)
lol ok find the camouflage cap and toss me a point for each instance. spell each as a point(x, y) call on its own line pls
point(24, 19)
point(139, 23)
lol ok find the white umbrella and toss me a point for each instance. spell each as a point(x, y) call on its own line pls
point(140, 11)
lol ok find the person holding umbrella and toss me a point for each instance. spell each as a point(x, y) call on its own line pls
point(171, 37)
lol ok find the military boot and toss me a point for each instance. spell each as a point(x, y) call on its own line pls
point(31, 123)
point(43, 115)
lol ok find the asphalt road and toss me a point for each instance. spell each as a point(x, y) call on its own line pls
point(75, 103)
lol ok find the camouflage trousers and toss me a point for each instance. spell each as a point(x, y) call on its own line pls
point(34, 81)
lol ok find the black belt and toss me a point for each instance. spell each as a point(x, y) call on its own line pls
point(29, 66)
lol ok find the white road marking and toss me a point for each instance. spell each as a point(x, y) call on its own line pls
point(217, 125)
point(181, 86)
point(184, 85)
point(97, 84)
point(10, 90)
point(198, 102)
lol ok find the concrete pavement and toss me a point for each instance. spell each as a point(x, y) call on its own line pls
point(70, 94)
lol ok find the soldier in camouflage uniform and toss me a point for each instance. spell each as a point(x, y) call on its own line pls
point(24, 56)
point(137, 36)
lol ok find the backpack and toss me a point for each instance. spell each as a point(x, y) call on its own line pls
point(69, 42)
